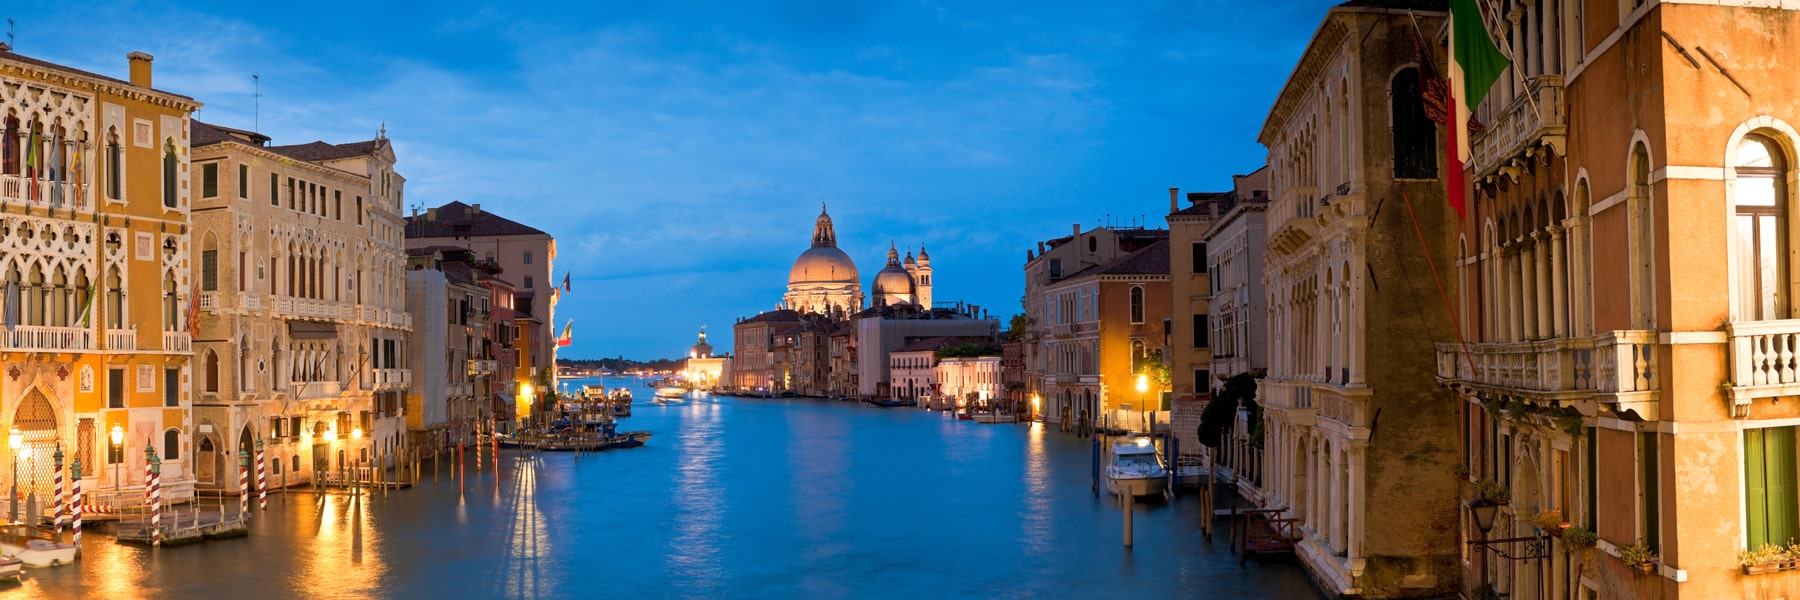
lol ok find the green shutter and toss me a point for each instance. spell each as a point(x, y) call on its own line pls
point(1756, 500)
point(1779, 479)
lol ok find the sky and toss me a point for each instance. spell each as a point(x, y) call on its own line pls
point(680, 151)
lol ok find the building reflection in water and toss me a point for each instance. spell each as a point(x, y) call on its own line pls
point(694, 553)
point(526, 573)
point(1037, 528)
point(340, 540)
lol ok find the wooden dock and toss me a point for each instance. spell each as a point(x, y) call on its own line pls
point(184, 527)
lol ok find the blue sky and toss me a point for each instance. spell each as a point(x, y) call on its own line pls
point(679, 151)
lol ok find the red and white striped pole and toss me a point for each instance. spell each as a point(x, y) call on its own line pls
point(243, 482)
point(58, 511)
point(75, 505)
point(153, 493)
point(262, 478)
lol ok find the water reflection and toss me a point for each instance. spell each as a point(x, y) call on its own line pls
point(694, 554)
point(1036, 528)
point(527, 537)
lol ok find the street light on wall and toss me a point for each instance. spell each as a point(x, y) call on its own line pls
point(118, 438)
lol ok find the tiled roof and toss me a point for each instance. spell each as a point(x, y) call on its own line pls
point(319, 151)
point(461, 220)
point(774, 316)
point(1152, 260)
point(1200, 201)
point(10, 55)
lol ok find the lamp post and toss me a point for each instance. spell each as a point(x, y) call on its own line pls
point(1143, 387)
point(1483, 511)
point(14, 441)
point(330, 447)
point(118, 438)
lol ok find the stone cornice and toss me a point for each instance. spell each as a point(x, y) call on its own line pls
point(97, 85)
point(1324, 45)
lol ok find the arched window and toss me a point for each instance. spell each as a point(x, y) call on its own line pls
point(115, 164)
point(243, 371)
point(1759, 198)
point(1137, 305)
point(1642, 241)
point(169, 173)
point(171, 444)
point(212, 371)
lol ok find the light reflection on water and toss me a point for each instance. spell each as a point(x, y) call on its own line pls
point(731, 498)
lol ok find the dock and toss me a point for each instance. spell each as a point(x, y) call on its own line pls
point(184, 527)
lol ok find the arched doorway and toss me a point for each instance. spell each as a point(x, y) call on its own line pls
point(246, 444)
point(1527, 501)
point(35, 419)
point(209, 456)
point(1297, 504)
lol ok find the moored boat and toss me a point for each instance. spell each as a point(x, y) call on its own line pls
point(10, 567)
point(40, 553)
point(1134, 468)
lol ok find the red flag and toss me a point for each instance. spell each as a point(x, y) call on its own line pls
point(565, 282)
point(568, 335)
point(193, 312)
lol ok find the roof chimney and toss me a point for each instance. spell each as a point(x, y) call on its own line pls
point(431, 214)
point(140, 68)
point(1174, 200)
point(1077, 228)
point(475, 209)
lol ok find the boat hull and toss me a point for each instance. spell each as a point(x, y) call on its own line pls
point(47, 554)
point(1135, 486)
point(993, 418)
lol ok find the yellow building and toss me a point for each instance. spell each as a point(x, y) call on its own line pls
point(94, 201)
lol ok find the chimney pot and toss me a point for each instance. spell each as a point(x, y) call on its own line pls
point(476, 209)
point(431, 214)
point(1077, 229)
point(140, 68)
point(1174, 200)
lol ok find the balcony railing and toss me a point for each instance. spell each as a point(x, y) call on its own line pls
point(386, 379)
point(177, 341)
point(1549, 366)
point(121, 339)
point(209, 301)
point(1284, 394)
point(19, 189)
point(252, 302)
point(1764, 359)
point(37, 337)
point(315, 390)
point(1626, 371)
point(1528, 118)
point(480, 367)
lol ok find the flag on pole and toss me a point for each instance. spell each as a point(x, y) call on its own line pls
point(565, 282)
point(31, 163)
point(56, 169)
point(193, 312)
point(77, 175)
point(568, 335)
point(88, 310)
point(1475, 63)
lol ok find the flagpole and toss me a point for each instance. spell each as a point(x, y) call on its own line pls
point(1455, 321)
point(1506, 49)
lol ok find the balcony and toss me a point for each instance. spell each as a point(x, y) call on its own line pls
point(121, 339)
point(391, 379)
point(14, 188)
point(36, 337)
point(1286, 395)
point(316, 390)
point(1764, 360)
point(252, 302)
point(480, 367)
point(1529, 118)
point(177, 341)
point(1626, 372)
point(209, 302)
point(1547, 369)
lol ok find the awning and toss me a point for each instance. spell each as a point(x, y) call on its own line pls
point(311, 330)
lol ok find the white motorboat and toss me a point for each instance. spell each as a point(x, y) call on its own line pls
point(1134, 468)
point(40, 553)
point(670, 392)
point(10, 567)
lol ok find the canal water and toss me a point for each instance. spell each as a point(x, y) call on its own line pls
point(733, 497)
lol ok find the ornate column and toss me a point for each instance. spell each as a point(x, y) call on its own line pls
point(1358, 501)
point(1559, 282)
point(1527, 52)
point(1580, 322)
point(1527, 296)
point(1543, 297)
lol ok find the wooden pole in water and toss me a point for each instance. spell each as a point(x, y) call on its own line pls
point(1129, 500)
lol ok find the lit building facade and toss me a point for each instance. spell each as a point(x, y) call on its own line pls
point(1349, 319)
point(1104, 322)
point(95, 266)
point(1049, 380)
point(303, 322)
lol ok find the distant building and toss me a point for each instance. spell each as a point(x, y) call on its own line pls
point(824, 280)
point(884, 329)
point(449, 304)
point(703, 369)
point(963, 379)
point(526, 255)
point(1054, 261)
point(756, 344)
point(1106, 319)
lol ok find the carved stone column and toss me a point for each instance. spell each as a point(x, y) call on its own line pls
point(1559, 281)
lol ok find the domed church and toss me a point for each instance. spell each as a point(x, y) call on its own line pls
point(824, 279)
point(904, 282)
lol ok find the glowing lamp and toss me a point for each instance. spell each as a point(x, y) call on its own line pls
point(15, 440)
point(356, 434)
point(1143, 383)
point(118, 435)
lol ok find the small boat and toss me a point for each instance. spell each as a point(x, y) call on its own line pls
point(669, 392)
point(993, 417)
point(10, 567)
point(1135, 468)
point(40, 553)
point(888, 402)
point(1189, 471)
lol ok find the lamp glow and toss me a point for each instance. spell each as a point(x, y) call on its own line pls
point(1141, 442)
point(15, 440)
point(118, 435)
point(1143, 383)
point(331, 435)
point(356, 434)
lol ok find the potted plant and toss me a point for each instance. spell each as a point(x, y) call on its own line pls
point(1770, 558)
point(1578, 538)
point(1637, 556)
point(1550, 522)
point(1492, 490)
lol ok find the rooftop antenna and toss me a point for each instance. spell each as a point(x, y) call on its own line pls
point(256, 125)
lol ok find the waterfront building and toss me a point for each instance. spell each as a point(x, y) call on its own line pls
point(1234, 247)
point(1012, 372)
point(911, 370)
point(302, 312)
point(1189, 352)
point(1053, 261)
point(842, 380)
point(527, 256)
point(883, 329)
point(702, 368)
point(961, 379)
point(1628, 298)
point(95, 264)
point(756, 344)
point(500, 360)
point(450, 308)
point(1105, 321)
point(1358, 444)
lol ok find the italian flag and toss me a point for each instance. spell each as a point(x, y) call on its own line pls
point(1475, 63)
point(568, 334)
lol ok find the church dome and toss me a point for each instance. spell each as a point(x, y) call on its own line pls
point(823, 264)
point(893, 285)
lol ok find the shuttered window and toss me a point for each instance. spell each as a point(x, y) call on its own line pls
point(1770, 499)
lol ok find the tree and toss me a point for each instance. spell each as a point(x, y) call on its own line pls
point(1218, 416)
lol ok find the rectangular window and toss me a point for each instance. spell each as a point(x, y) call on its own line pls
point(1202, 381)
point(294, 427)
point(209, 180)
point(274, 190)
point(528, 283)
point(1591, 476)
point(209, 270)
point(1202, 331)
point(337, 204)
point(528, 257)
point(1650, 511)
point(359, 210)
point(171, 387)
point(115, 164)
point(1770, 502)
point(291, 188)
point(1199, 264)
point(243, 182)
point(115, 388)
point(1055, 268)
point(243, 263)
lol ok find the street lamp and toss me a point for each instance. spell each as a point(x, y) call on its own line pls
point(14, 441)
point(118, 437)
